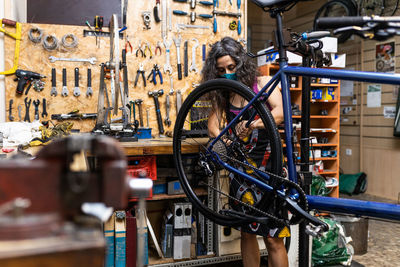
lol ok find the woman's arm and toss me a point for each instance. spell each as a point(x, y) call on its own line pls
point(213, 124)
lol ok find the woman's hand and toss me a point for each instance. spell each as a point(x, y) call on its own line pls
point(242, 131)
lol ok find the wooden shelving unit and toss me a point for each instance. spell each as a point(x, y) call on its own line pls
point(324, 127)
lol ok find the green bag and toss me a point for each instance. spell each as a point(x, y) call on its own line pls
point(332, 247)
point(318, 187)
point(353, 183)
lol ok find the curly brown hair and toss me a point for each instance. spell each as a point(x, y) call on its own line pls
point(246, 69)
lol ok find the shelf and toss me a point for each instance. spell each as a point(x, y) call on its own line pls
point(317, 117)
point(324, 85)
point(199, 192)
point(322, 101)
point(325, 158)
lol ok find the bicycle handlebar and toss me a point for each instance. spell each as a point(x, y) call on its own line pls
point(337, 22)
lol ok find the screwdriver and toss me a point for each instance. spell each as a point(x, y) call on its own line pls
point(90, 27)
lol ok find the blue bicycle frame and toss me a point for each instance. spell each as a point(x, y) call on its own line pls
point(347, 206)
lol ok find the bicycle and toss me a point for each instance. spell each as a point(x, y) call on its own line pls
point(338, 8)
point(218, 161)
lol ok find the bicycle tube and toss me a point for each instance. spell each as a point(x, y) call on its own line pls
point(187, 130)
point(336, 8)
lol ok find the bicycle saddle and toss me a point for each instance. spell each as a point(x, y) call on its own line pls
point(265, 4)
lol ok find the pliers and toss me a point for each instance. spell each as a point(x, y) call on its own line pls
point(154, 72)
point(139, 50)
point(158, 47)
point(147, 47)
point(128, 43)
point(140, 71)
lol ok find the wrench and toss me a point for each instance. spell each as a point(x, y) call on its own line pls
point(36, 104)
point(27, 106)
point(167, 65)
point(167, 120)
point(89, 90)
point(77, 91)
point(20, 112)
point(10, 116)
point(64, 91)
point(193, 67)
point(91, 60)
point(53, 82)
point(177, 42)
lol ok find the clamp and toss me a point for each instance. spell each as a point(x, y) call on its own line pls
point(148, 48)
point(140, 71)
point(154, 72)
point(140, 50)
point(158, 48)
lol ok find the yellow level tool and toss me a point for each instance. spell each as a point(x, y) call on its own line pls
point(17, 37)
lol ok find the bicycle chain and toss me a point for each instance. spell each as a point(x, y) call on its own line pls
point(302, 194)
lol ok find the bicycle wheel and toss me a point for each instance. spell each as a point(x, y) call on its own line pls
point(206, 183)
point(371, 7)
point(336, 8)
point(390, 7)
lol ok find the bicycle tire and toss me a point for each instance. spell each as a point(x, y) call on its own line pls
point(336, 8)
point(390, 7)
point(182, 138)
point(371, 7)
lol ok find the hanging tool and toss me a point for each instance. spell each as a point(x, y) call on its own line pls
point(44, 108)
point(36, 104)
point(98, 23)
point(17, 37)
point(64, 91)
point(229, 14)
point(89, 90)
point(148, 48)
point(146, 19)
point(153, 74)
point(156, 11)
point(10, 116)
point(193, 66)
point(53, 91)
point(128, 43)
point(24, 76)
point(27, 106)
point(20, 112)
point(77, 91)
point(167, 65)
point(155, 95)
point(192, 15)
point(141, 72)
point(177, 42)
point(239, 28)
point(185, 59)
point(178, 101)
point(140, 50)
point(164, 19)
point(180, 26)
point(204, 53)
point(139, 103)
point(194, 2)
point(125, 77)
point(158, 48)
point(95, 34)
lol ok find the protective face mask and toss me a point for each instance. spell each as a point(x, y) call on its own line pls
point(230, 76)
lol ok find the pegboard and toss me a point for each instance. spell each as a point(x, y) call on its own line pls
point(34, 57)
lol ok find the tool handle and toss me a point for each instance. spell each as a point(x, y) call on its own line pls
point(21, 84)
point(239, 26)
point(155, 12)
point(185, 60)
point(140, 115)
point(205, 16)
point(215, 23)
point(239, 2)
point(64, 77)
point(89, 77)
point(204, 52)
point(182, 1)
point(179, 71)
point(76, 77)
point(9, 22)
point(158, 112)
point(53, 77)
point(179, 12)
point(206, 3)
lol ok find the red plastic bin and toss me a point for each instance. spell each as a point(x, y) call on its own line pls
point(136, 165)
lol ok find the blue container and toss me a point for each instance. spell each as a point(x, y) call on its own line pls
point(143, 133)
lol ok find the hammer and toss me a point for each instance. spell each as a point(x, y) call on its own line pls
point(155, 95)
point(139, 103)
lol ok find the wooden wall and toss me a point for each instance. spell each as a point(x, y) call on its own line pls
point(34, 58)
point(364, 131)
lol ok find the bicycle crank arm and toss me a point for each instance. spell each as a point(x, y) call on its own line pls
point(245, 218)
point(293, 207)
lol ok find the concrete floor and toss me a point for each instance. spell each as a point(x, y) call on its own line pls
point(383, 242)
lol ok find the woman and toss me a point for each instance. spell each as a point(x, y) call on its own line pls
point(228, 59)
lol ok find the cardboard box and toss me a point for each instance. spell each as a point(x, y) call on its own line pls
point(271, 58)
point(182, 244)
point(175, 188)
